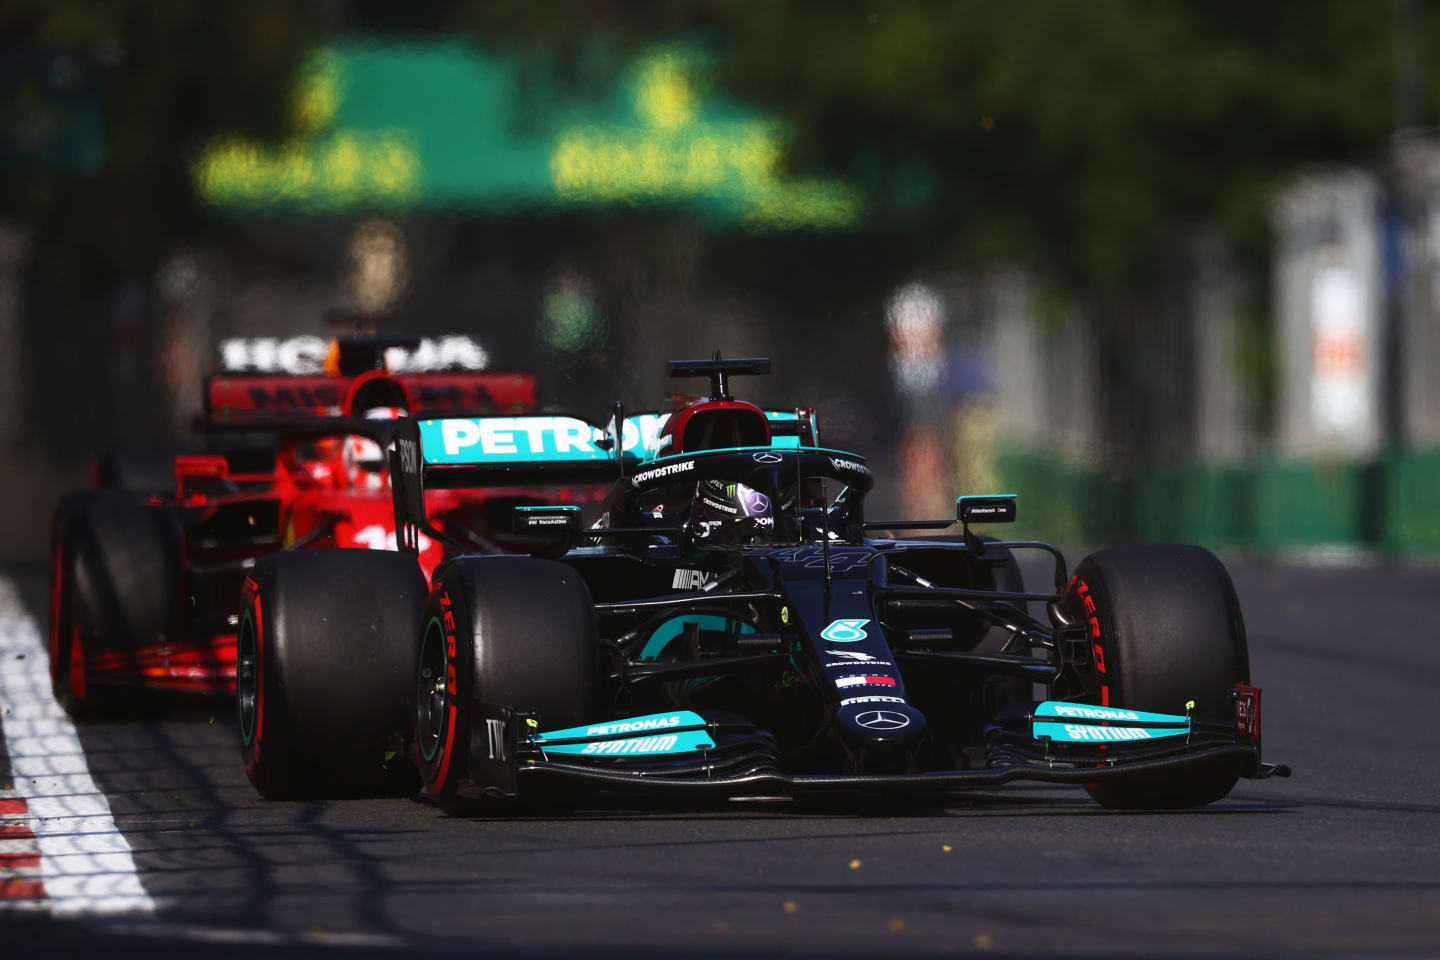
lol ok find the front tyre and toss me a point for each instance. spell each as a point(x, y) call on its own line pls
point(1165, 628)
point(503, 631)
point(325, 660)
point(114, 563)
point(66, 647)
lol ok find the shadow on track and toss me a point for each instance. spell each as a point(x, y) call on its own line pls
point(205, 845)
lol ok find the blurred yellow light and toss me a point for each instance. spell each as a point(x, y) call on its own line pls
point(345, 167)
point(318, 95)
point(665, 99)
point(676, 154)
point(667, 149)
point(595, 164)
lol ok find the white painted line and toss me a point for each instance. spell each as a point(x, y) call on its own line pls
point(85, 861)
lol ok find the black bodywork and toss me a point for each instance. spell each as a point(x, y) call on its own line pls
point(737, 631)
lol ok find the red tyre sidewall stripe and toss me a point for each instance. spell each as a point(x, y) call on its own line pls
point(57, 572)
point(259, 674)
point(445, 751)
point(1092, 613)
point(251, 592)
point(447, 621)
point(76, 666)
point(74, 673)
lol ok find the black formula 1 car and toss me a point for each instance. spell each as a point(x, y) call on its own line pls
point(729, 626)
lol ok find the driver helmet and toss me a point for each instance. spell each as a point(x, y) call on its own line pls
point(364, 463)
point(731, 512)
point(320, 461)
point(363, 458)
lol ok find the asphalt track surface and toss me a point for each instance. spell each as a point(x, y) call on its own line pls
point(1342, 859)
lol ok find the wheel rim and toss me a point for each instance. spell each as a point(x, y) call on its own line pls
point(431, 696)
point(247, 678)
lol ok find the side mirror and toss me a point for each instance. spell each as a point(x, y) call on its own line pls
point(992, 508)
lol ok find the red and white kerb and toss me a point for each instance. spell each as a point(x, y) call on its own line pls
point(60, 849)
point(20, 875)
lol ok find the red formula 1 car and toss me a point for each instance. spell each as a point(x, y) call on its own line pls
point(145, 587)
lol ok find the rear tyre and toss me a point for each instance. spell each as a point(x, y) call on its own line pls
point(1166, 628)
point(114, 566)
point(325, 665)
point(516, 632)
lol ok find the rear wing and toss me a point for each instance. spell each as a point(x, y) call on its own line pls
point(538, 450)
point(266, 400)
point(252, 450)
point(471, 452)
point(788, 428)
point(494, 451)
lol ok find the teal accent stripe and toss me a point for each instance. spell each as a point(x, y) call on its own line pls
point(700, 453)
point(1093, 713)
point(1094, 733)
point(659, 743)
point(633, 737)
point(675, 626)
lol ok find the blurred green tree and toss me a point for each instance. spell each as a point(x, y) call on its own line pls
point(168, 75)
point(1070, 137)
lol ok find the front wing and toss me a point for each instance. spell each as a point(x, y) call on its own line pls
point(690, 754)
point(765, 782)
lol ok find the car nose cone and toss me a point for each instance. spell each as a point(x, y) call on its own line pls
point(880, 722)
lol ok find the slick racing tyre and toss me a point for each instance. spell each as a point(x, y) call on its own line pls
point(1169, 631)
point(114, 565)
point(325, 666)
point(515, 632)
point(66, 638)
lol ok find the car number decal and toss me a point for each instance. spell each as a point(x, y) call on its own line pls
point(845, 631)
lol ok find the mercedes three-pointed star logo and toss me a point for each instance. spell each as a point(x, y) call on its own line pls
point(882, 720)
point(766, 457)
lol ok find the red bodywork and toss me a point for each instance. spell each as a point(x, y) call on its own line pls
point(247, 399)
point(305, 494)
